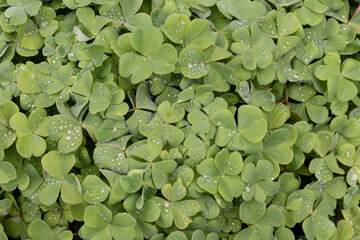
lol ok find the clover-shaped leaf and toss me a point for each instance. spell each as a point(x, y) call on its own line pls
point(111, 155)
point(192, 60)
point(348, 129)
point(179, 212)
point(171, 113)
point(263, 219)
point(247, 11)
point(196, 147)
point(58, 165)
point(316, 110)
point(110, 129)
point(67, 131)
point(91, 22)
point(155, 57)
point(324, 167)
point(311, 12)
point(146, 149)
point(338, 83)
point(117, 108)
point(333, 189)
point(149, 212)
point(99, 98)
point(254, 47)
point(323, 143)
point(7, 172)
point(276, 148)
point(251, 124)
point(116, 191)
point(30, 132)
point(61, 82)
point(132, 182)
point(344, 230)
point(27, 82)
point(251, 212)
point(323, 38)
point(318, 225)
point(18, 10)
point(48, 24)
point(125, 14)
point(175, 192)
point(306, 139)
point(92, 55)
point(8, 109)
point(256, 181)
point(39, 229)
point(160, 171)
point(180, 30)
point(99, 222)
point(247, 134)
point(31, 40)
point(220, 175)
point(94, 189)
point(160, 126)
point(287, 23)
point(348, 156)
point(71, 191)
point(196, 63)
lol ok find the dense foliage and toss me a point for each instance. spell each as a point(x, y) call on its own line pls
point(179, 119)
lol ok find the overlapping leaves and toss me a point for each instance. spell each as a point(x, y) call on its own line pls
point(179, 119)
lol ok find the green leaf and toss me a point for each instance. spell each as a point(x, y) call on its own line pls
point(123, 226)
point(175, 28)
point(139, 68)
point(171, 113)
point(149, 212)
point(71, 191)
point(176, 235)
point(283, 233)
point(315, 109)
point(175, 192)
point(278, 116)
point(251, 123)
point(91, 22)
point(323, 143)
point(132, 183)
point(152, 35)
point(192, 61)
point(97, 216)
point(160, 171)
point(111, 156)
point(146, 149)
point(7, 172)
point(344, 230)
point(252, 211)
point(67, 131)
point(229, 164)
point(99, 98)
point(317, 226)
point(38, 229)
point(350, 68)
point(58, 165)
point(94, 189)
point(27, 82)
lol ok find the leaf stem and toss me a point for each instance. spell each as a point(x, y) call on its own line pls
point(356, 12)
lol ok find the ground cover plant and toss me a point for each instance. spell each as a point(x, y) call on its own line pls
point(179, 119)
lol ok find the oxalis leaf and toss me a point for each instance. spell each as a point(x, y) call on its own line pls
point(67, 131)
point(204, 119)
